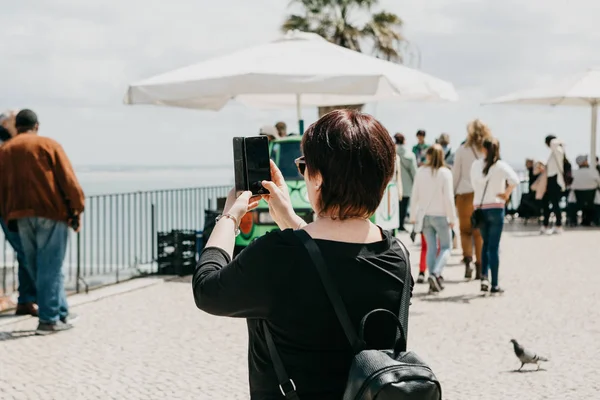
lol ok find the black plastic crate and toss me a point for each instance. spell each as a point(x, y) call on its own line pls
point(176, 252)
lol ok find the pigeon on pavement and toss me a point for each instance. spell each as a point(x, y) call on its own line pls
point(526, 356)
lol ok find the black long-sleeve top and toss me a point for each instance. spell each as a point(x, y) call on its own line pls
point(274, 279)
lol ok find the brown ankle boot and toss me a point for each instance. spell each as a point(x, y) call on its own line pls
point(477, 270)
point(468, 268)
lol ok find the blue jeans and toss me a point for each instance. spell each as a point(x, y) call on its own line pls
point(435, 228)
point(26, 282)
point(45, 245)
point(491, 231)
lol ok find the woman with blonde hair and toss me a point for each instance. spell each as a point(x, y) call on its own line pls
point(469, 152)
point(433, 199)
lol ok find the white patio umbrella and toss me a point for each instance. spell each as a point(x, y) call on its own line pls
point(300, 69)
point(582, 89)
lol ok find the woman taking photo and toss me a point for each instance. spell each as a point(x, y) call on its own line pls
point(433, 200)
point(465, 156)
point(493, 181)
point(349, 158)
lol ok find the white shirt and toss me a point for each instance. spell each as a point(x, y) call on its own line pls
point(586, 178)
point(461, 169)
point(433, 194)
point(497, 176)
point(554, 166)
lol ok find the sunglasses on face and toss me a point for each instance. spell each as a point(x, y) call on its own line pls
point(301, 165)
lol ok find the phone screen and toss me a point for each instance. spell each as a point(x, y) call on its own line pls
point(258, 165)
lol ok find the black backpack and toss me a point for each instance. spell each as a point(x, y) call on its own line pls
point(567, 168)
point(567, 171)
point(393, 374)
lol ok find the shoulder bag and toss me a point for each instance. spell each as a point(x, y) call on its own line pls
point(477, 219)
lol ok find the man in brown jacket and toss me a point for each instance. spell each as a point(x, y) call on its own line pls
point(40, 194)
point(26, 303)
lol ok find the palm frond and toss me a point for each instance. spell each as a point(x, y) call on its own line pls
point(332, 20)
point(296, 22)
point(384, 30)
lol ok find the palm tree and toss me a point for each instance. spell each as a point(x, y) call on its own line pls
point(334, 20)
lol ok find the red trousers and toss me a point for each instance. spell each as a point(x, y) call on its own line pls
point(423, 260)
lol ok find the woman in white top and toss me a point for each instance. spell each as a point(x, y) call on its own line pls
point(493, 181)
point(465, 156)
point(433, 199)
point(555, 186)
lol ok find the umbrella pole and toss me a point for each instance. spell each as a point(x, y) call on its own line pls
point(594, 133)
point(299, 112)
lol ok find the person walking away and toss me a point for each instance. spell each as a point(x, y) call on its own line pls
point(530, 206)
point(493, 181)
point(26, 302)
point(408, 168)
point(420, 148)
point(586, 181)
point(465, 156)
point(281, 129)
point(555, 185)
point(398, 179)
point(444, 141)
point(433, 197)
point(39, 191)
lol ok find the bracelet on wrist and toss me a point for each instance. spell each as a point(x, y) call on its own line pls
point(231, 217)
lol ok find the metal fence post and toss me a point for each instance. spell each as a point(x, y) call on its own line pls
point(154, 256)
point(78, 277)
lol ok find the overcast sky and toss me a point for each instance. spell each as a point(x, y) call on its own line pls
point(71, 61)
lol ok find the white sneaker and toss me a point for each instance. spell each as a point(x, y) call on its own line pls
point(548, 231)
point(558, 230)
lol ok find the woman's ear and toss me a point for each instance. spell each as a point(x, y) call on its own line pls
point(318, 182)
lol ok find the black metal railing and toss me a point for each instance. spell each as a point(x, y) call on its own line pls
point(118, 236)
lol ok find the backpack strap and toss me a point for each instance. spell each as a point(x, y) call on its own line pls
point(286, 385)
point(331, 289)
point(405, 298)
point(338, 305)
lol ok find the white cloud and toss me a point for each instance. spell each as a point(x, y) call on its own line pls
point(71, 61)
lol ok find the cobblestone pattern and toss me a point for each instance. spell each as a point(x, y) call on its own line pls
point(153, 343)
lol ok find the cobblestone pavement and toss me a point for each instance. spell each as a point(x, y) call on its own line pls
point(153, 344)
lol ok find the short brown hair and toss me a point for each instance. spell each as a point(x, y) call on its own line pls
point(400, 139)
point(355, 156)
point(436, 157)
point(281, 128)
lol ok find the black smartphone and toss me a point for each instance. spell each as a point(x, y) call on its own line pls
point(251, 164)
point(239, 166)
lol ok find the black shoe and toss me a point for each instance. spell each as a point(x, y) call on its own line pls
point(70, 318)
point(434, 285)
point(497, 289)
point(485, 284)
point(440, 281)
point(421, 278)
point(45, 328)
